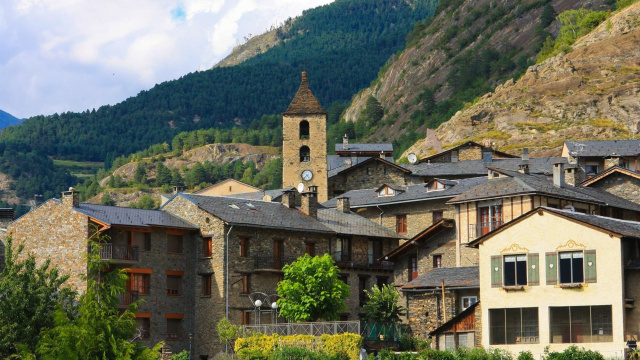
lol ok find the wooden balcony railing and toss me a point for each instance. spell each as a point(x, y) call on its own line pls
point(110, 251)
point(272, 262)
point(127, 298)
point(360, 260)
point(477, 230)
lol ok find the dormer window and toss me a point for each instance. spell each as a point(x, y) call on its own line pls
point(305, 154)
point(304, 129)
point(435, 185)
point(386, 191)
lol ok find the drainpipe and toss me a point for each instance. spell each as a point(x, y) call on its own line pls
point(381, 213)
point(227, 275)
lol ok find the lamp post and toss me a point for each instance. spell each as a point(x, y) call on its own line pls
point(190, 343)
point(274, 306)
point(257, 304)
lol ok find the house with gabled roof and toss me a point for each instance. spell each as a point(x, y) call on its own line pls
point(595, 156)
point(553, 278)
point(617, 181)
point(227, 187)
point(467, 151)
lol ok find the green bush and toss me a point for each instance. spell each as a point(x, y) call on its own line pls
point(525, 355)
point(335, 347)
point(183, 355)
point(574, 353)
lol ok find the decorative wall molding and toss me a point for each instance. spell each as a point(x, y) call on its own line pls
point(513, 249)
point(571, 245)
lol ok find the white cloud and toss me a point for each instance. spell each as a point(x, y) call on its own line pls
point(71, 55)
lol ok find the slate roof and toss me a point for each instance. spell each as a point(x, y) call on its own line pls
point(337, 163)
point(275, 195)
point(465, 276)
point(116, 215)
point(304, 102)
point(468, 143)
point(376, 147)
point(603, 148)
point(516, 183)
point(411, 193)
point(608, 172)
point(425, 234)
point(480, 167)
point(267, 214)
point(352, 224)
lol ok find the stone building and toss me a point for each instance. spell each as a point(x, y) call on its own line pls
point(558, 278)
point(595, 156)
point(245, 243)
point(467, 151)
point(154, 246)
point(618, 181)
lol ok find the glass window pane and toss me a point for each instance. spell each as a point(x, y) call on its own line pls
point(521, 270)
point(529, 325)
point(565, 268)
point(559, 322)
point(578, 268)
point(601, 329)
point(514, 323)
point(496, 326)
point(580, 317)
point(449, 343)
point(509, 272)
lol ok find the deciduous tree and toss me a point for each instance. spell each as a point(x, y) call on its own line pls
point(382, 305)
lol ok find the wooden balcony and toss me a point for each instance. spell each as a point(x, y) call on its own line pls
point(110, 251)
point(356, 260)
point(127, 298)
point(477, 230)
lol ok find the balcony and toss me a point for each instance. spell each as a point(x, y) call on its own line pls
point(477, 230)
point(127, 298)
point(272, 262)
point(360, 261)
point(110, 251)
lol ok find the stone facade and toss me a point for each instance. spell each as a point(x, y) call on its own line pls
point(368, 176)
point(292, 142)
point(621, 185)
point(426, 312)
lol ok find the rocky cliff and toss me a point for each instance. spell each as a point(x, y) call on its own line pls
point(592, 92)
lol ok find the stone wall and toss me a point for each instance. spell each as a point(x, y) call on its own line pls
point(624, 186)
point(367, 176)
point(426, 313)
point(57, 232)
point(292, 167)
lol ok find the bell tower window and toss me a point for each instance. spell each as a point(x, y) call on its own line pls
point(304, 129)
point(305, 154)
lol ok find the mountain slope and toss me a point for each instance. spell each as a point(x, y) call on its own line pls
point(465, 51)
point(342, 45)
point(589, 93)
point(7, 119)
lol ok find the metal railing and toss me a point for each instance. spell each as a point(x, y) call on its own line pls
point(110, 251)
point(310, 328)
point(272, 262)
point(127, 298)
point(360, 260)
point(477, 230)
point(384, 332)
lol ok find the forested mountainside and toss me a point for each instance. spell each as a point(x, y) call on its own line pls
point(7, 119)
point(462, 53)
point(591, 92)
point(342, 45)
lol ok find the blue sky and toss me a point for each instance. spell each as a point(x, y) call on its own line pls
point(74, 55)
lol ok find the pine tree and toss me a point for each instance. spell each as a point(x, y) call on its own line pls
point(176, 178)
point(163, 174)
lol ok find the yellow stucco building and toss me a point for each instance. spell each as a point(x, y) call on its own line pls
point(554, 278)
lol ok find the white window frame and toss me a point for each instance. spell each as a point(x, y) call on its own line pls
point(470, 298)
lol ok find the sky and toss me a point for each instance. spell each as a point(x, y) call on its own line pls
point(74, 55)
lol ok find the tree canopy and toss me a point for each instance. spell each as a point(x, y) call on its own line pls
point(382, 305)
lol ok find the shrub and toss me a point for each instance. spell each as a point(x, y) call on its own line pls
point(574, 353)
point(525, 355)
point(335, 347)
point(183, 355)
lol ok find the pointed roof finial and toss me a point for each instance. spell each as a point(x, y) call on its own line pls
point(304, 76)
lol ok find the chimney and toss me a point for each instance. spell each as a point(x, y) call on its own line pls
point(289, 198)
point(345, 142)
point(309, 205)
point(570, 176)
point(525, 154)
point(523, 168)
point(177, 189)
point(487, 154)
point(382, 156)
point(558, 175)
point(343, 204)
point(70, 198)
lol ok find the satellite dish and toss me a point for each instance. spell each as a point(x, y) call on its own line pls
point(569, 207)
point(412, 158)
point(300, 187)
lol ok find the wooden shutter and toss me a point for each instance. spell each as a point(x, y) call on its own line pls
point(533, 274)
point(496, 271)
point(552, 268)
point(590, 266)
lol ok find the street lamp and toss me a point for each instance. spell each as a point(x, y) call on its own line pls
point(190, 344)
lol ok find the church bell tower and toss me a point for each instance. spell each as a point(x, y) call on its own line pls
point(304, 143)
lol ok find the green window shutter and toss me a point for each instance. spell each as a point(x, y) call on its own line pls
point(533, 276)
point(590, 266)
point(552, 268)
point(496, 271)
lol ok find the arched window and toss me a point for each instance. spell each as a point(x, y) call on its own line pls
point(304, 129)
point(305, 154)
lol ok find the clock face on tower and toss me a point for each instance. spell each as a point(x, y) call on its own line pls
point(307, 175)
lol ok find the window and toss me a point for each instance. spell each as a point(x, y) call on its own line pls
point(278, 254)
point(437, 215)
point(174, 243)
point(342, 250)
point(381, 281)
point(143, 325)
point(311, 249)
point(489, 218)
point(591, 169)
point(139, 283)
point(580, 324)
point(449, 342)
point(468, 301)
point(206, 284)
point(386, 191)
point(173, 285)
point(246, 283)
point(375, 251)
point(571, 267)
point(515, 270)
point(304, 129)
point(246, 317)
point(173, 329)
point(401, 224)
point(305, 154)
point(513, 326)
point(207, 250)
point(345, 278)
point(435, 186)
point(244, 247)
point(413, 267)
point(142, 240)
point(362, 286)
point(437, 261)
